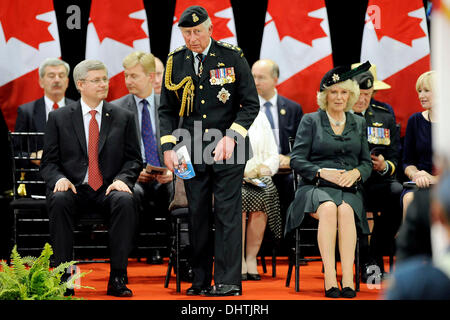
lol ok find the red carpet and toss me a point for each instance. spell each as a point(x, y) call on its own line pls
point(147, 283)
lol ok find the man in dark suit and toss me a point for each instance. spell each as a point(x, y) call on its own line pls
point(54, 79)
point(92, 159)
point(209, 85)
point(150, 188)
point(382, 190)
point(284, 116)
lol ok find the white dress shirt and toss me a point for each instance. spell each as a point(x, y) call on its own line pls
point(49, 105)
point(274, 112)
point(85, 109)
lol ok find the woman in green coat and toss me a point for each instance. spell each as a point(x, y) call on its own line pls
point(331, 155)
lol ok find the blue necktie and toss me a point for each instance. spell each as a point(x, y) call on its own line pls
point(148, 138)
point(267, 106)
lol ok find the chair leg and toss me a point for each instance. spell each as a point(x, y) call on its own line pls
point(357, 271)
point(263, 263)
point(289, 273)
point(274, 262)
point(297, 260)
point(177, 235)
point(170, 264)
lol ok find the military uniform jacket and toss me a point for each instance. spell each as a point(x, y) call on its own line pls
point(225, 97)
point(382, 133)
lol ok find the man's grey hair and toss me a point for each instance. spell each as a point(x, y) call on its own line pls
point(81, 70)
point(52, 62)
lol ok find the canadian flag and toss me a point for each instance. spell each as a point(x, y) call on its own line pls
point(28, 35)
point(441, 63)
point(299, 42)
point(116, 28)
point(395, 39)
point(222, 18)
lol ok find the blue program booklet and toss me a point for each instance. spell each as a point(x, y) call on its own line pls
point(255, 182)
point(184, 170)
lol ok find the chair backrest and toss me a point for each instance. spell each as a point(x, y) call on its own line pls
point(294, 175)
point(26, 155)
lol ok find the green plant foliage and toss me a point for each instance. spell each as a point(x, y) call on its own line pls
point(31, 278)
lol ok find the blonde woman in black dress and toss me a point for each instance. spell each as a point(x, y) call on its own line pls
point(331, 148)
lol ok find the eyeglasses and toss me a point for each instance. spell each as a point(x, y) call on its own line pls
point(97, 81)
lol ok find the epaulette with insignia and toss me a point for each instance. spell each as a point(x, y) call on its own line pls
point(229, 46)
point(379, 107)
point(177, 50)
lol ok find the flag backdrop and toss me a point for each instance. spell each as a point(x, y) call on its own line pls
point(28, 35)
point(116, 28)
point(222, 18)
point(441, 63)
point(396, 41)
point(299, 42)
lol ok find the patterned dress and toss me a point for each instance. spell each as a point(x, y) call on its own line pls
point(266, 200)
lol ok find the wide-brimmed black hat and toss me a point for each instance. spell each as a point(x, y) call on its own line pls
point(365, 80)
point(193, 16)
point(341, 73)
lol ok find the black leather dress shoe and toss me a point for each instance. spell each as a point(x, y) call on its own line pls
point(222, 290)
point(69, 292)
point(117, 287)
point(196, 291)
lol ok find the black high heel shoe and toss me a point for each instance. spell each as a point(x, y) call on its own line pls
point(347, 292)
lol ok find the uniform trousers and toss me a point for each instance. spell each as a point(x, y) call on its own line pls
point(119, 208)
point(224, 183)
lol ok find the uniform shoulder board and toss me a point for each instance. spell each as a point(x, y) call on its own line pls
point(229, 46)
point(177, 50)
point(380, 107)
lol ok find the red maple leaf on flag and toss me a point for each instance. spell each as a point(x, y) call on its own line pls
point(395, 21)
point(300, 25)
point(220, 28)
point(111, 19)
point(19, 21)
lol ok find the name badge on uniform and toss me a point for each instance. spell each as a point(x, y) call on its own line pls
point(378, 135)
point(222, 76)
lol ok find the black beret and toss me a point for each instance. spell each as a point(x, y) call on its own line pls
point(365, 80)
point(340, 74)
point(193, 16)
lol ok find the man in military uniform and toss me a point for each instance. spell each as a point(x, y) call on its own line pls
point(209, 86)
point(382, 190)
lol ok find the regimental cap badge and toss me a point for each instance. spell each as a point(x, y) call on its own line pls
point(193, 16)
point(335, 77)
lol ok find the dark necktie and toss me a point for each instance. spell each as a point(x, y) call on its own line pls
point(267, 106)
point(200, 64)
point(359, 114)
point(95, 179)
point(55, 106)
point(148, 138)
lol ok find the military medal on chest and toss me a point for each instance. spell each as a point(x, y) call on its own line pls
point(378, 135)
point(222, 76)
